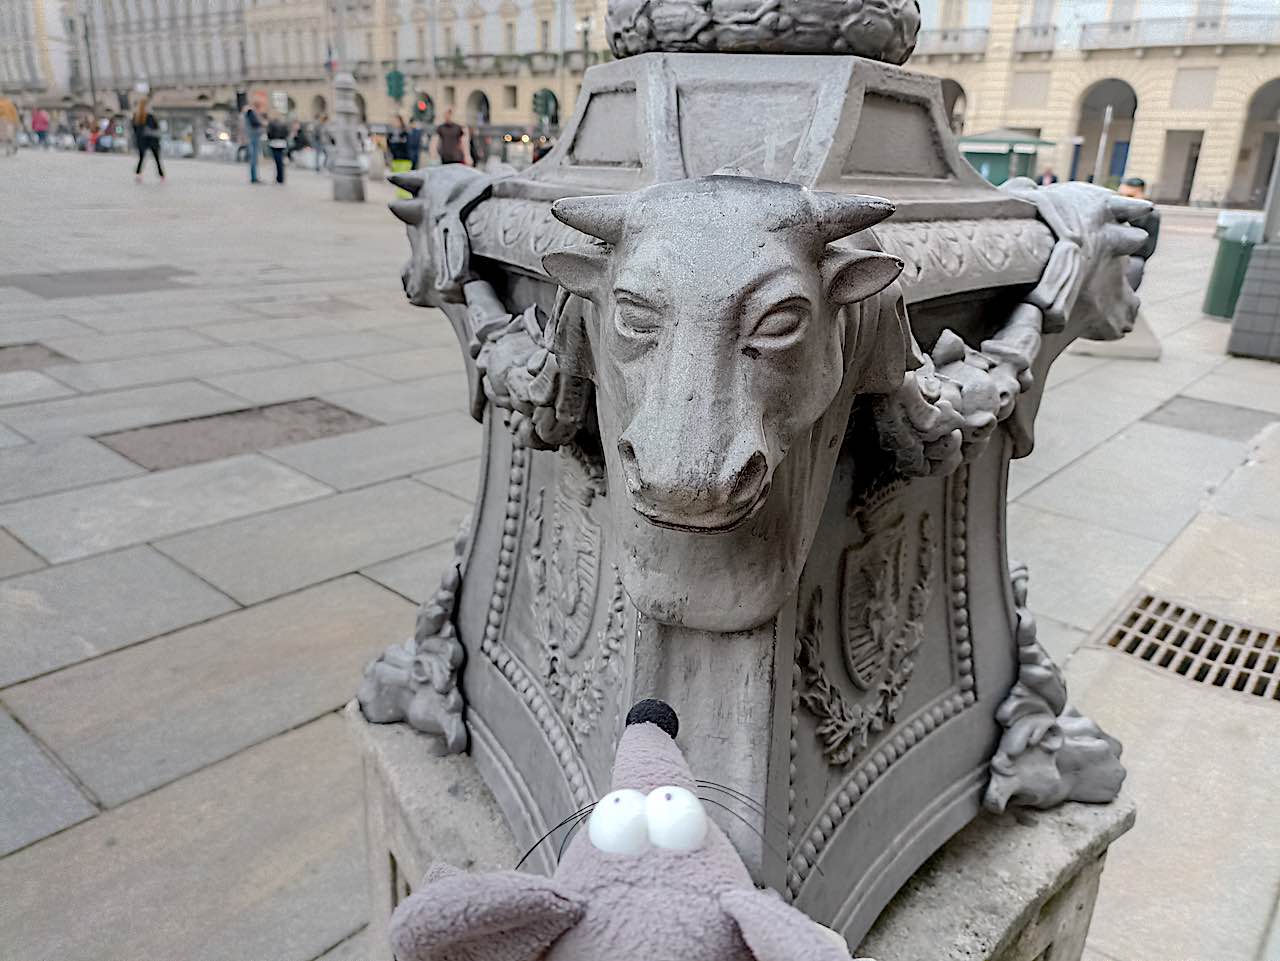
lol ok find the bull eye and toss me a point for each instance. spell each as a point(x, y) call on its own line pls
point(781, 325)
point(635, 317)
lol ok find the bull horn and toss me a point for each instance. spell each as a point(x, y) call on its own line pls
point(1128, 209)
point(408, 211)
point(600, 217)
point(410, 182)
point(839, 215)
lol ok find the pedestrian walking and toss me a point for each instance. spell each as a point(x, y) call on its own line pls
point(415, 143)
point(253, 134)
point(323, 140)
point(398, 147)
point(146, 136)
point(278, 141)
point(451, 142)
point(40, 126)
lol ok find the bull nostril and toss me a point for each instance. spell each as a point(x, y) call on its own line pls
point(630, 466)
point(749, 485)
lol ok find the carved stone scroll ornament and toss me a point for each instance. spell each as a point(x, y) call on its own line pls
point(417, 682)
point(1049, 753)
point(948, 408)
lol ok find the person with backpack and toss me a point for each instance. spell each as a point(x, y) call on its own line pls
point(146, 136)
point(278, 141)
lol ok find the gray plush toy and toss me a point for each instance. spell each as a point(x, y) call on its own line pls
point(651, 879)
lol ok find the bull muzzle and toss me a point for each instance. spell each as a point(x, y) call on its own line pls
point(706, 494)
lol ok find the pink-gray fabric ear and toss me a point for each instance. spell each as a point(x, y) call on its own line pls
point(503, 916)
point(775, 931)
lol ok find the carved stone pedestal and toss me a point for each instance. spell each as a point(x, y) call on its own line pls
point(1015, 887)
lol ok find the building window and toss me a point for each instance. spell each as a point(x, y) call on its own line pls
point(448, 41)
point(510, 97)
point(422, 44)
point(450, 96)
point(544, 34)
point(475, 38)
point(368, 45)
point(510, 37)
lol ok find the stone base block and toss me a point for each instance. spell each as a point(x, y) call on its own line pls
point(1019, 887)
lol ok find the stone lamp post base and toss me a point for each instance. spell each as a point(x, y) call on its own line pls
point(1035, 874)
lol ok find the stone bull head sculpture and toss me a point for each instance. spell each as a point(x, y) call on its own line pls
point(727, 340)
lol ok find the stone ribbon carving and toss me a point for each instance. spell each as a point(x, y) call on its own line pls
point(1049, 753)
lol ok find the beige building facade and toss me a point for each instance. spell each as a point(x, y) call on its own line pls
point(1182, 93)
point(34, 62)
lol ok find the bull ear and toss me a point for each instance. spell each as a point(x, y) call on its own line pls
point(854, 275)
point(407, 211)
point(579, 270)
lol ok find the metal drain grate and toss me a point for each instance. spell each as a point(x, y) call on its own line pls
point(1200, 647)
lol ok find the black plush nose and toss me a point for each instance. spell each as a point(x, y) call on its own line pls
point(657, 712)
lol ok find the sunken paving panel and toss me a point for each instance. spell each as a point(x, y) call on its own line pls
point(1200, 646)
point(162, 446)
point(1211, 417)
point(98, 283)
point(29, 357)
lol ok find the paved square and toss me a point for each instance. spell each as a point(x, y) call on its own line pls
point(192, 576)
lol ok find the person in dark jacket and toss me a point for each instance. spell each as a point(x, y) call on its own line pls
point(146, 135)
point(278, 141)
point(415, 143)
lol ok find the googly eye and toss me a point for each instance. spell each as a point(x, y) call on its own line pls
point(676, 818)
point(618, 825)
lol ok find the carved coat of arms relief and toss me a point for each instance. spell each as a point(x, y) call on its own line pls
point(564, 562)
point(886, 579)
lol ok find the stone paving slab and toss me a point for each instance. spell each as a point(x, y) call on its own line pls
point(91, 520)
point(293, 383)
point(461, 479)
point(258, 858)
point(24, 386)
point(416, 575)
point(355, 948)
point(9, 438)
point(64, 614)
point(28, 357)
point(264, 556)
point(36, 798)
point(1079, 570)
point(90, 347)
point(45, 468)
point(333, 346)
point(430, 328)
point(113, 320)
point(21, 331)
point(178, 365)
point(261, 329)
point(1210, 417)
point(15, 558)
point(1252, 492)
point(1144, 378)
point(1203, 769)
point(131, 721)
point(407, 399)
point(1082, 417)
point(1148, 480)
point(381, 453)
point(118, 410)
point(163, 446)
point(411, 364)
point(1225, 565)
point(1239, 391)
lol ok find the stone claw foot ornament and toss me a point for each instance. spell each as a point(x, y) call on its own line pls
point(1049, 752)
point(417, 681)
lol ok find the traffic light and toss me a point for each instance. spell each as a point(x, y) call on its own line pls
point(424, 110)
point(545, 107)
point(395, 85)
